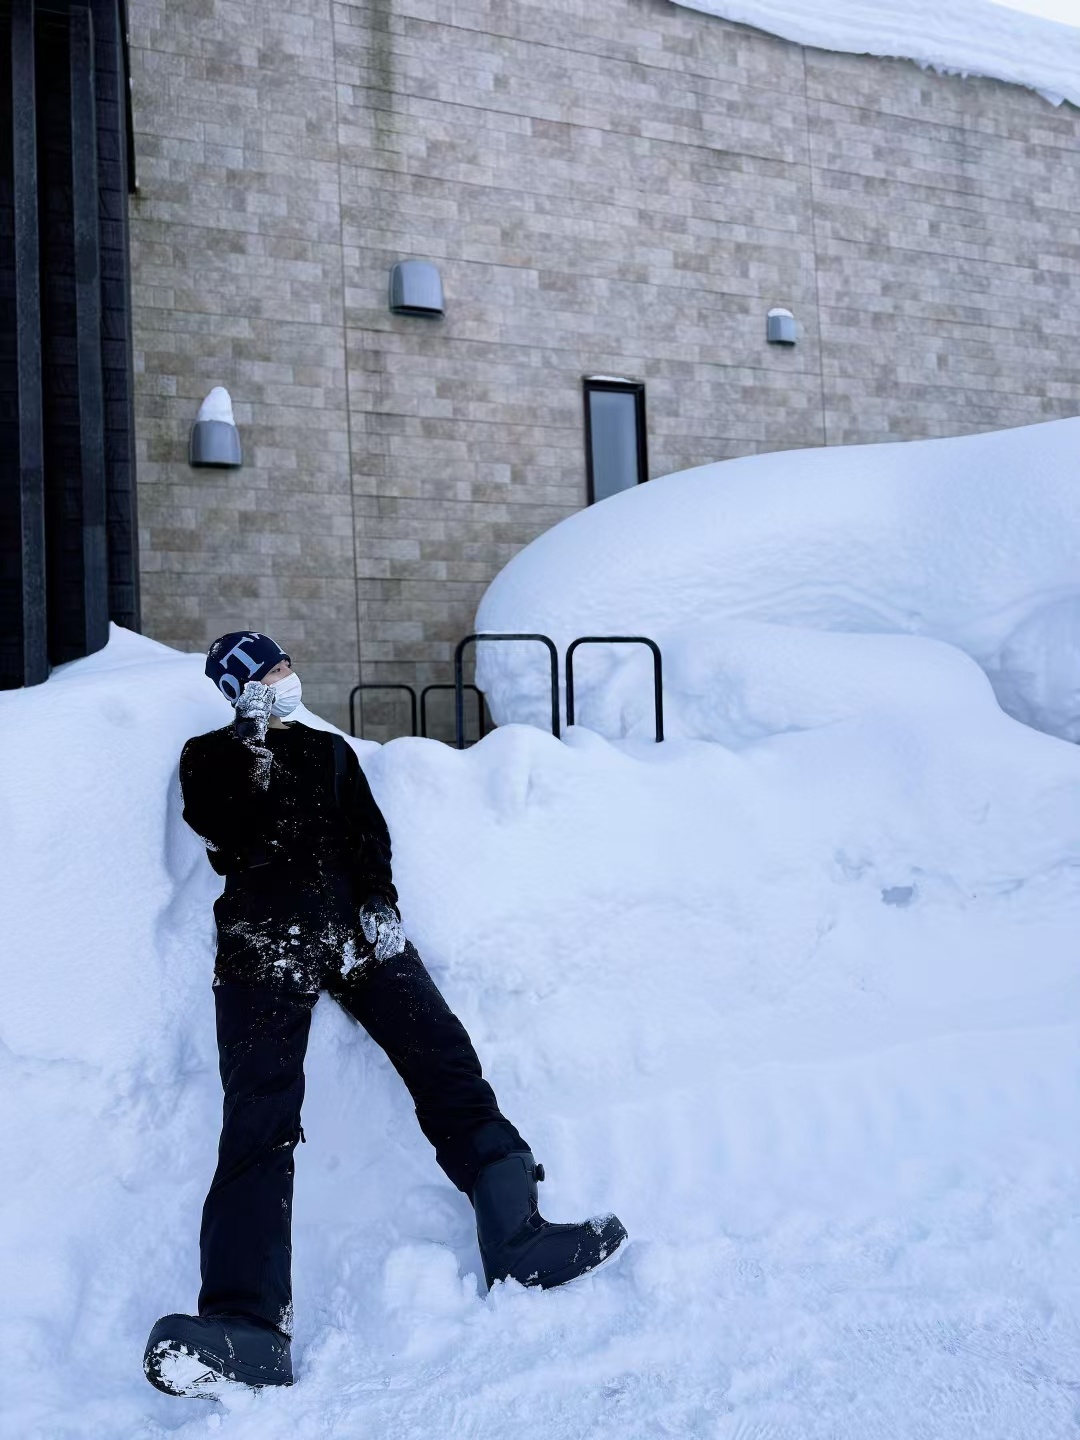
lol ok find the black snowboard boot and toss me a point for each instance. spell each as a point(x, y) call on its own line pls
point(515, 1239)
point(198, 1355)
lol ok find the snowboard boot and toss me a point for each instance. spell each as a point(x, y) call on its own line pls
point(201, 1354)
point(517, 1242)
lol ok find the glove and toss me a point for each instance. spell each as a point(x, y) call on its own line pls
point(253, 710)
point(382, 928)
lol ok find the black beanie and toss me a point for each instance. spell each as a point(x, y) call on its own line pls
point(240, 656)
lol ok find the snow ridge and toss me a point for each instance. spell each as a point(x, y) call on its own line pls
point(954, 37)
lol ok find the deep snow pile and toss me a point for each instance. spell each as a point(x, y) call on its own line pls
point(801, 1007)
point(733, 567)
point(964, 37)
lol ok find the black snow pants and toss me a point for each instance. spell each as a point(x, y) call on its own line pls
point(262, 1031)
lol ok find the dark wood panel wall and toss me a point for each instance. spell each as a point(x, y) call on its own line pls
point(68, 524)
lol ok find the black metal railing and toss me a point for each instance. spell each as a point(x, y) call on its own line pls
point(356, 688)
point(459, 686)
point(658, 672)
point(459, 678)
point(451, 686)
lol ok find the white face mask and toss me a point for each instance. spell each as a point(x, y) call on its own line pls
point(286, 696)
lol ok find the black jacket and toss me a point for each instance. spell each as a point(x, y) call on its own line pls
point(285, 812)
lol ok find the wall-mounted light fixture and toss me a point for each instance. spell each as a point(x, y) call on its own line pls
point(416, 289)
point(214, 436)
point(780, 327)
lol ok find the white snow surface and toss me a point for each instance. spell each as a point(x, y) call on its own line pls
point(954, 37)
point(794, 993)
point(805, 588)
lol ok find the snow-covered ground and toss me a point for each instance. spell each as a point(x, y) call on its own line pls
point(794, 993)
point(955, 37)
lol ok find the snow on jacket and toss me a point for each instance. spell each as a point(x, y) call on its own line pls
point(288, 816)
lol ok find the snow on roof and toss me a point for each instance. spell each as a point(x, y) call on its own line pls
point(955, 37)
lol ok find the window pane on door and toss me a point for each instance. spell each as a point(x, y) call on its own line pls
point(613, 427)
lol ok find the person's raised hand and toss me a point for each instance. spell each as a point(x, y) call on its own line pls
point(253, 710)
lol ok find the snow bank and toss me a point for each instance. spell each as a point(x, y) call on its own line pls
point(955, 37)
point(802, 1012)
point(736, 569)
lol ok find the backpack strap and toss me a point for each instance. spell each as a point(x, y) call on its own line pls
point(341, 762)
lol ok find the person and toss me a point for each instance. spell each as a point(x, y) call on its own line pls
point(309, 905)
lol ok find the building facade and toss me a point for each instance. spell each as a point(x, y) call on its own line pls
point(607, 187)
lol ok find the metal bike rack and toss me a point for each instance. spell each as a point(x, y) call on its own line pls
point(658, 676)
point(352, 702)
point(459, 678)
point(450, 686)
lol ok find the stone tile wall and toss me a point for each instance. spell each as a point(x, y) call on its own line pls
point(607, 186)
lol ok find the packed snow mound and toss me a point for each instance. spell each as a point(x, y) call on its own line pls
point(955, 37)
point(798, 588)
point(803, 1013)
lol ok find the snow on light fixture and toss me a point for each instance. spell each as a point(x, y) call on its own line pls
point(215, 439)
point(780, 327)
point(416, 289)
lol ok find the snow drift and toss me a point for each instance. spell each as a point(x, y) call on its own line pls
point(800, 1007)
point(734, 568)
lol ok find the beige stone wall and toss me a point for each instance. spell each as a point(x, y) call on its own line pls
point(608, 186)
point(237, 280)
